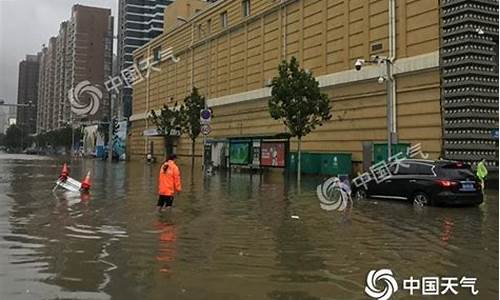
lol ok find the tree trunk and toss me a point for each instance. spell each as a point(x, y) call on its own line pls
point(165, 147)
point(298, 162)
point(168, 147)
point(193, 141)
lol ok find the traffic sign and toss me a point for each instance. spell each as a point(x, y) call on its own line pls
point(206, 129)
point(205, 116)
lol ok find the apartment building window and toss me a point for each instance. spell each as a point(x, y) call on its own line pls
point(246, 7)
point(209, 25)
point(200, 31)
point(156, 53)
point(140, 62)
point(223, 19)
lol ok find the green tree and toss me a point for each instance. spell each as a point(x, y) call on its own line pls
point(13, 137)
point(297, 100)
point(168, 123)
point(191, 124)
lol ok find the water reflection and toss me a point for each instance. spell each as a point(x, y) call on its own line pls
point(166, 251)
point(230, 236)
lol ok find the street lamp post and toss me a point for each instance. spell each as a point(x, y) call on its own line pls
point(389, 83)
point(110, 129)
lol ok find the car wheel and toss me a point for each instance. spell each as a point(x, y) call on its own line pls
point(360, 194)
point(421, 199)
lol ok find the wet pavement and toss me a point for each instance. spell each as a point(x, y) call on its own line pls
point(229, 237)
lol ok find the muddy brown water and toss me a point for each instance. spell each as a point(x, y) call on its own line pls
point(229, 237)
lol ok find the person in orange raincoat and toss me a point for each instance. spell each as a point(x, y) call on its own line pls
point(169, 183)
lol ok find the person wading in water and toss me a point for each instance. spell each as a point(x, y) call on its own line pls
point(169, 183)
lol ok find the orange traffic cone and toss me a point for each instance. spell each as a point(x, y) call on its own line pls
point(64, 172)
point(86, 183)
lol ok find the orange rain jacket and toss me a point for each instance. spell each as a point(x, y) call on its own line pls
point(169, 181)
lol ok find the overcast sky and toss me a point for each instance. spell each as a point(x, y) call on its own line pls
point(27, 24)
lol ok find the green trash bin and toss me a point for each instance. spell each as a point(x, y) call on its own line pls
point(292, 162)
point(336, 163)
point(380, 151)
point(311, 163)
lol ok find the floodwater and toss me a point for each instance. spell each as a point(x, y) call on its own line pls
point(229, 237)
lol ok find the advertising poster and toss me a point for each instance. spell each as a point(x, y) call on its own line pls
point(273, 155)
point(239, 153)
point(119, 140)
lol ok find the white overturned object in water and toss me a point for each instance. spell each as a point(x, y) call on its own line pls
point(69, 184)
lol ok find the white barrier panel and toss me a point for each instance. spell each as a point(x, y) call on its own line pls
point(69, 184)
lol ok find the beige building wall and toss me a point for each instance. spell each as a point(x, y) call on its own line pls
point(231, 66)
point(180, 11)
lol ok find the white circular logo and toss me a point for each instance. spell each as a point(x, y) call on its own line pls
point(385, 276)
point(74, 95)
point(333, 194)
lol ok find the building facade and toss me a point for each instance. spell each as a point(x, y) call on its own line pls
point(46, 87)
point(82, 51)
point(469, 71)
point(231, 49)
point(139, 22)
point(27, 95)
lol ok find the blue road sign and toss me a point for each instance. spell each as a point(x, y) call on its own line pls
point(205, 116)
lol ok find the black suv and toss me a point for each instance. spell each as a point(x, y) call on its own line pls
point(425, 182)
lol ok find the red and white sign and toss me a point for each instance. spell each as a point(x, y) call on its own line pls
point(272, 154)
point(206, 129)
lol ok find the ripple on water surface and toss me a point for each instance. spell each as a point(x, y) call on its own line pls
point(228, 237)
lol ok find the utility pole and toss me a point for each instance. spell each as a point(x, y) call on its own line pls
point(390, 105)
point(71, 123)
point(388, 78)
point(110, 129)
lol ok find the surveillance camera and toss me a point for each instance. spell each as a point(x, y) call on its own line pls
point(381, 79)
point(359, 63)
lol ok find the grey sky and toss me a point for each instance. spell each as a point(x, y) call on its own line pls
point(27, 24)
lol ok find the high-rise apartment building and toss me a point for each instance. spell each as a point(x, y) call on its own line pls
point(82, 51)
point(139, 22)
point(469, 68)
point(63, 60)
point(27, 95)
point(46, 88)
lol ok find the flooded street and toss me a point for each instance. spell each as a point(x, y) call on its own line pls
point(229, 237)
